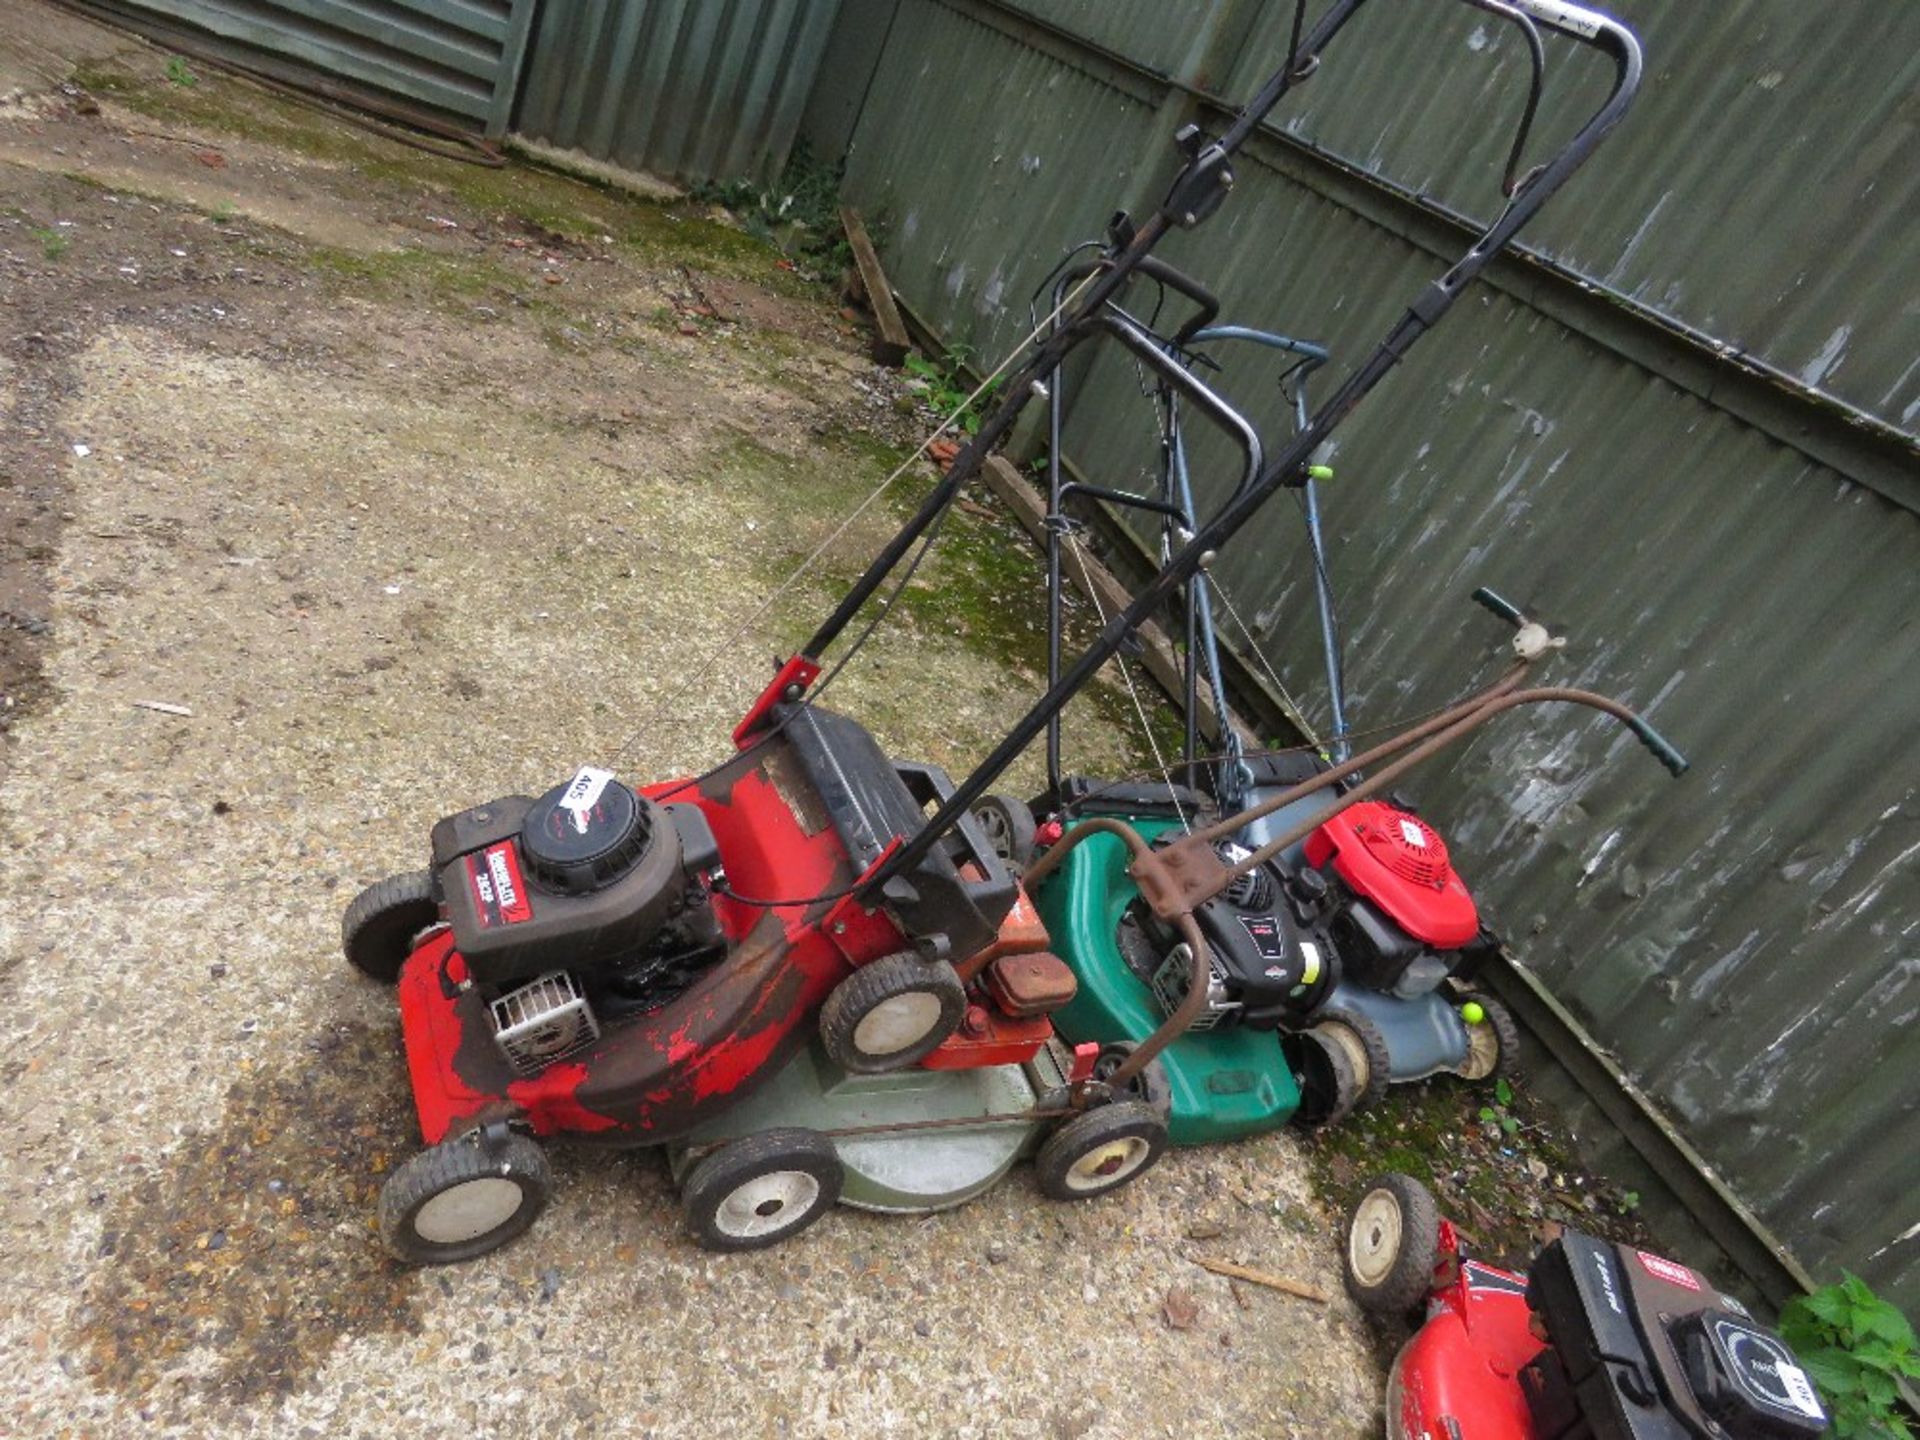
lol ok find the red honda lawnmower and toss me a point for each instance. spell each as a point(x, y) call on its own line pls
point(1595, 1342)
point(624, 965)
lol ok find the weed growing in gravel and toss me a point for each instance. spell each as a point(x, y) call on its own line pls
point(948, 387)
point(800, 213)
point(1857, 1348)
point(52, 243)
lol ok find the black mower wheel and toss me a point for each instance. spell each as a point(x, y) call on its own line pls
point(892, 1013)
point(1493, 1044)
point(1393, 1240)
point(1100, 1150)
point(762, 1189)
point(1366, 1050)
point(1151, 1086)
point(463, 1198)
point(378, 929)
point(1324, 1072)
point(1009, 828)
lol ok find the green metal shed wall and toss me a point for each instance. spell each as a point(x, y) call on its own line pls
point(1726, 528)
point(690, 89)
point(459, 58)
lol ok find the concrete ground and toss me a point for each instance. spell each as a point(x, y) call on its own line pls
point(415, 484)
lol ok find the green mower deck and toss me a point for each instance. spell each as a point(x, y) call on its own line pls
point(901, 1171)
point(1225, 1084)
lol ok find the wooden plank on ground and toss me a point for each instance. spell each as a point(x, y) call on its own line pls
point(890, 339)
point(1261, 1277)
point(1099, 585)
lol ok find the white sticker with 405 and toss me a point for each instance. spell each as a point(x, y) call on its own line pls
point(583, 793)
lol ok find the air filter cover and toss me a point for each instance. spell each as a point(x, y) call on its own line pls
point(1395, 859)
point(585, 834)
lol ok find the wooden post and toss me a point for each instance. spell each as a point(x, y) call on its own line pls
point(890, 339)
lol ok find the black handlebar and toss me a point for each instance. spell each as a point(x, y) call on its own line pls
point(1154, 268)
point(1197, 190)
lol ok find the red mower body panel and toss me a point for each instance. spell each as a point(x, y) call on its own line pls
point(1458, 1375)
point(1399, 862)
point(652, 1078)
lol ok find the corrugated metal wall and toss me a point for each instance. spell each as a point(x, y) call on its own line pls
point(690, 89)
point(1756, 194)
point(1747, 940)
point(459, 58)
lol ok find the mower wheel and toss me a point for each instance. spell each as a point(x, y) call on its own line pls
point(1493, 1043)
point(1366, 1050)
point(1009, 828)
point(1329, 1084)
point(757, 1191)
point(1151, 1085)
point(463, 1198)
point(1393, 1240)
point(892, 1013)
point(378, 929)
point(1100, 1150)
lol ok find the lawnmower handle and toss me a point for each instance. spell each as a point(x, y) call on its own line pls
point(1575, 20)
point(1663, 751)
point(1157, 269)
point(1504, 608)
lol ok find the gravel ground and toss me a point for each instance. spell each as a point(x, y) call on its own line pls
point(419, 485)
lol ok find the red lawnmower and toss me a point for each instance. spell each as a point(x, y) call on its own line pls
point(627, 965)
point(1595, 1342)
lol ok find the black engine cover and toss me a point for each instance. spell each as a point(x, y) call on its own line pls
point(1270, 963)
point(1642, 1348)
point(533, 886)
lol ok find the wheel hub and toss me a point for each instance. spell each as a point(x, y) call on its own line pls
point(1373, 1244)
point(999, 838)
point(1356, 1050)
point(767, 1204)
point(469, 1210)
point(1106, 1164)
point(1483, 1052)
point(897, 1023)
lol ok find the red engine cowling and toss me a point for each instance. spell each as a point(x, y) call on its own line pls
point(1399, 862)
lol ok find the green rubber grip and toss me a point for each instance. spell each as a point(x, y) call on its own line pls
point(1662, 750)
point(1505, 609)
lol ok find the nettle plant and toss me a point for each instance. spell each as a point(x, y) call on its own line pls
point(1857, 1348)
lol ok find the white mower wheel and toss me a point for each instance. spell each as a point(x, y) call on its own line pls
point(1393, 1240)
point(464, 1197)
point(761, 1189)
point(1100, 1150)
point(1493, 1042)
point(892, 1013)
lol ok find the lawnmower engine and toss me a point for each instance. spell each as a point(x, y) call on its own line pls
point(1356, 930)
point(584, 906)
point(1271, 960)
point(1402, 924)
point(1642, 1348)
point(1399, 915)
